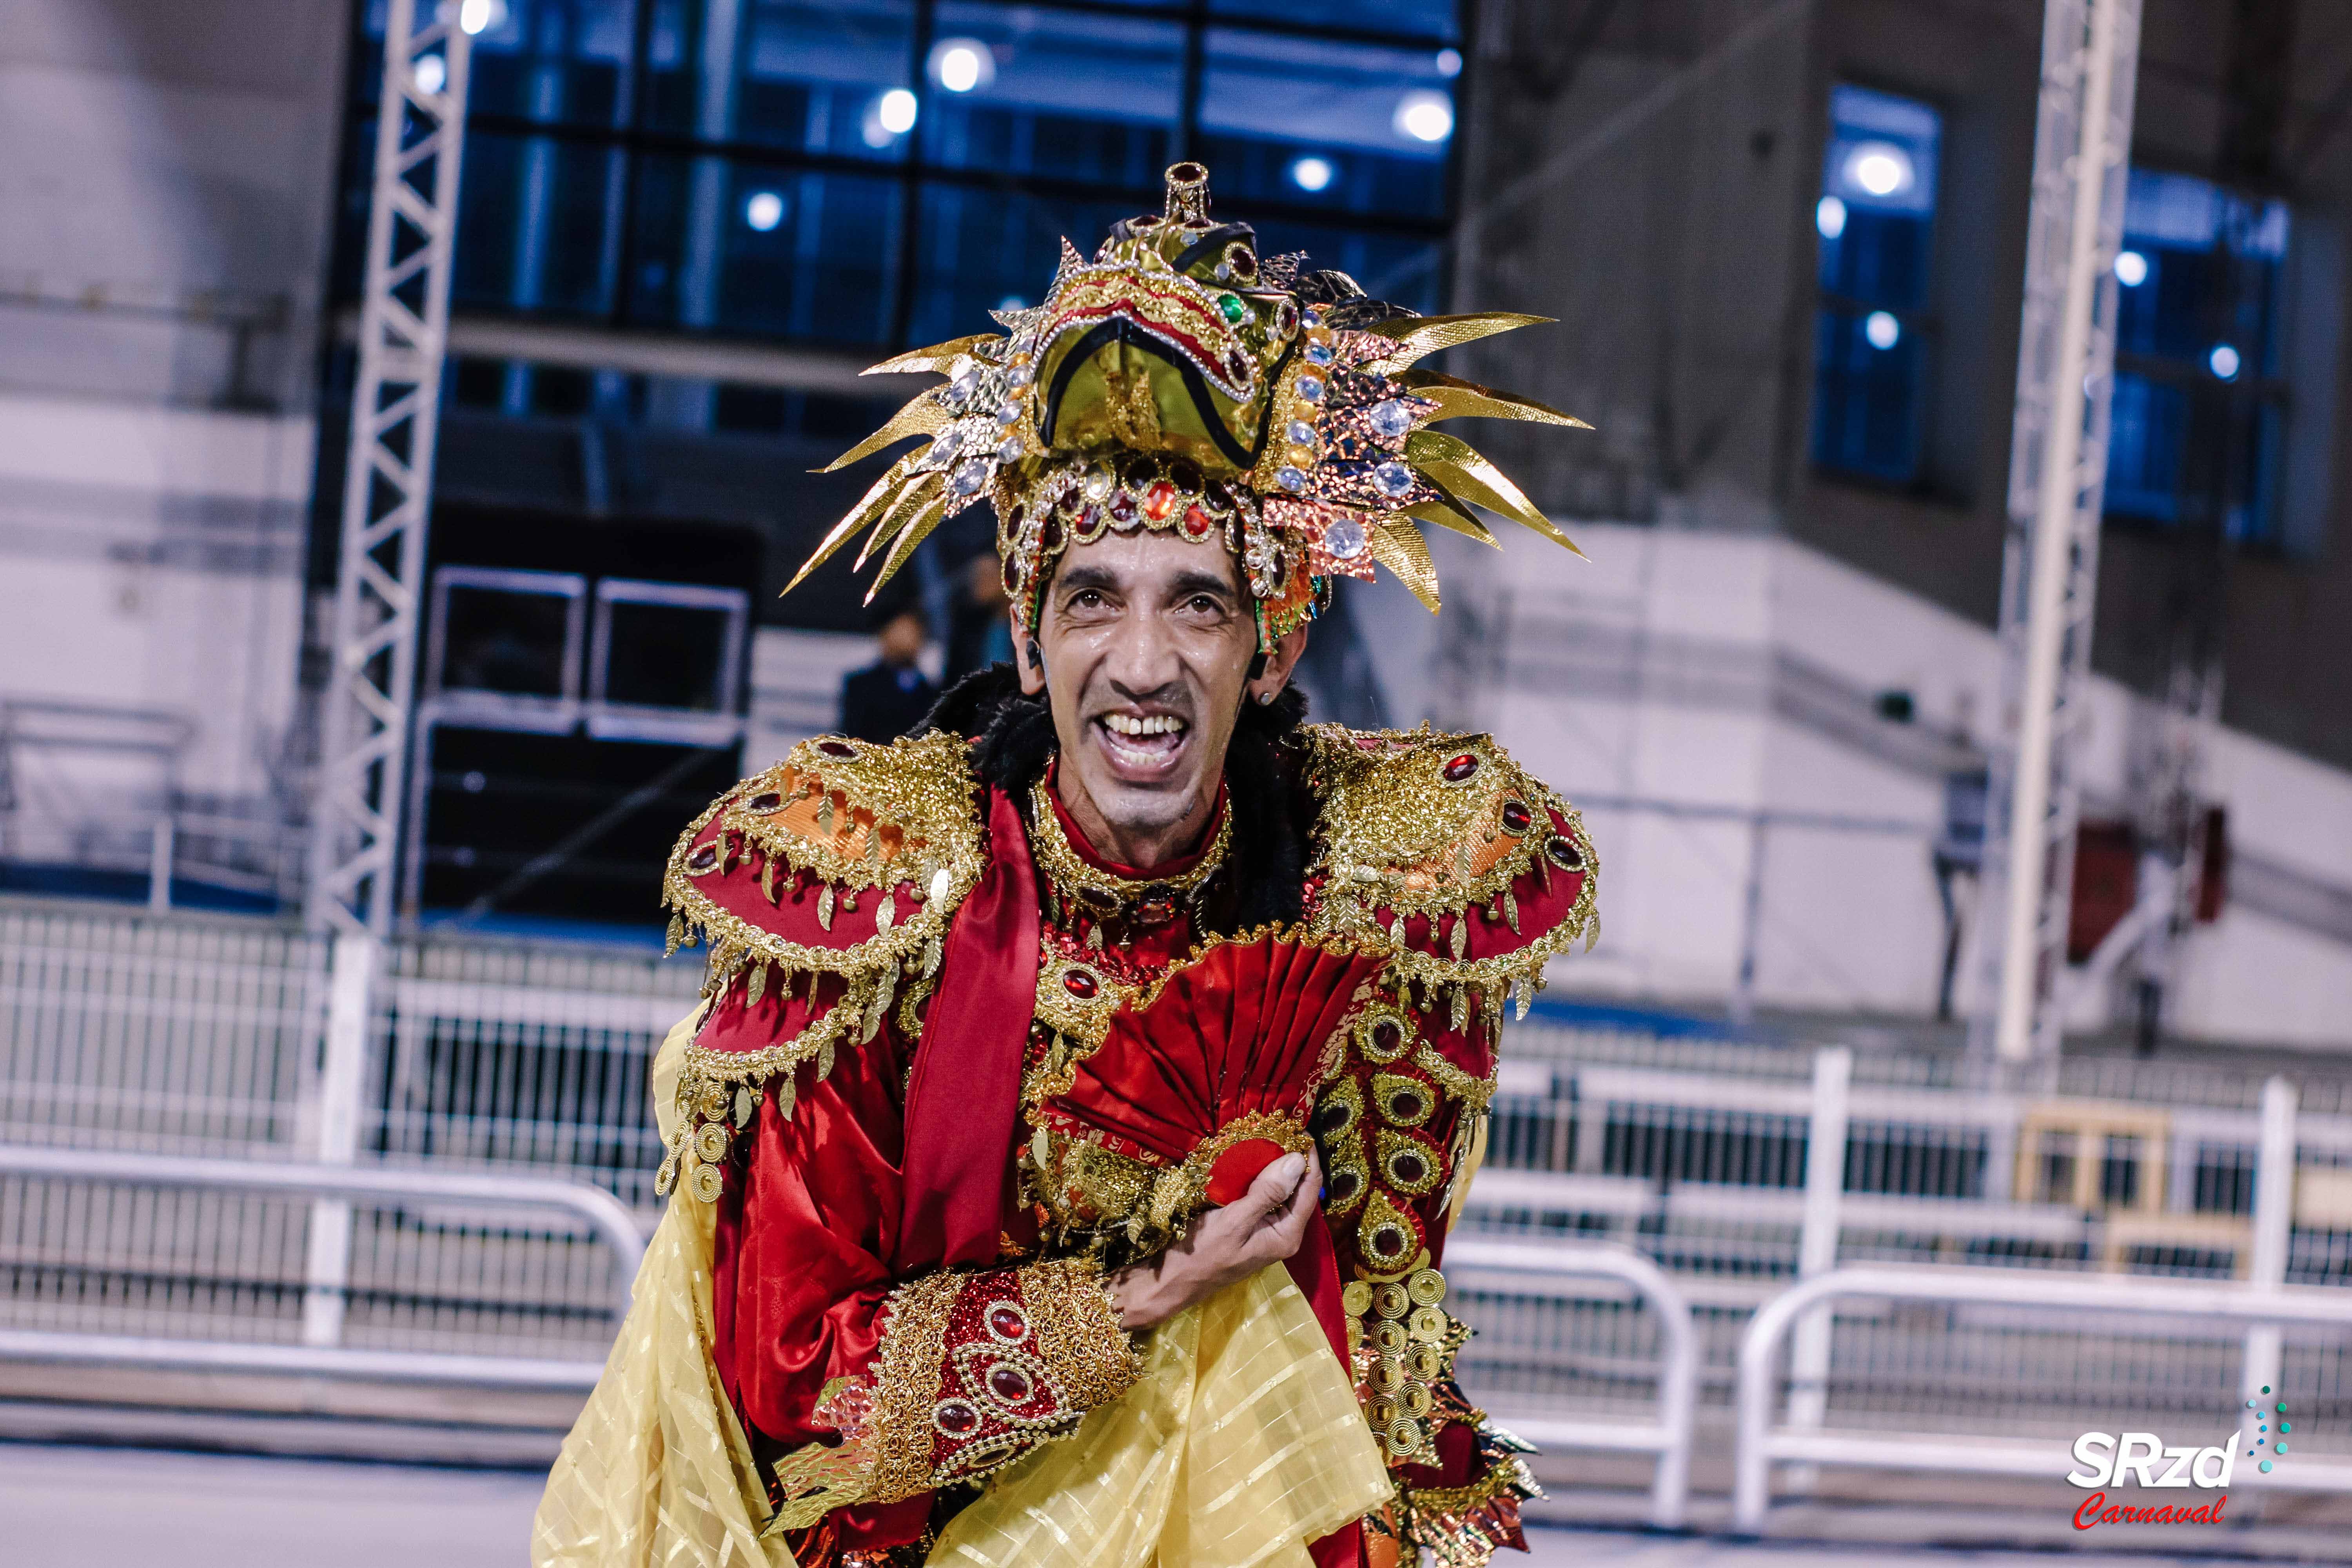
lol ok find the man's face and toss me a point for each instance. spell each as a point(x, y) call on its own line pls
point(1147, 640)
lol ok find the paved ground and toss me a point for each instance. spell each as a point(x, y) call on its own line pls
point(65, 1507)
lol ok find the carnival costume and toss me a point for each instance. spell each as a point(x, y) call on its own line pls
point(953, 1066)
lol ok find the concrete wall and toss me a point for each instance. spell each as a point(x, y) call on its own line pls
point(168, 188)
point(1711, 701)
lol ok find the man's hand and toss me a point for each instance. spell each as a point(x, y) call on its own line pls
point(1226, 1244)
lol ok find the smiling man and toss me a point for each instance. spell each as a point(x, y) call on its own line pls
point(1065, 1145)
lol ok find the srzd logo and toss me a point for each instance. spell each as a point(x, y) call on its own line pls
point(2108, 1459)
point(2142, 1457)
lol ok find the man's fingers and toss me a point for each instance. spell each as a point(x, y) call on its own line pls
point(1277, 1185)
point(1300, 1212)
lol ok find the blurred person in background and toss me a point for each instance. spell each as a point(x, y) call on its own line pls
point(979, 619)
point(889, 697)
point(1087, 1081)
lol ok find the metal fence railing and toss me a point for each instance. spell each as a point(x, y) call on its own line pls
point(1734, 1171)
point(504, 1280)
point(1932, 1439)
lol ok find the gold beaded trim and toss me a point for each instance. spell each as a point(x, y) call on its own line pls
point(1102, 894)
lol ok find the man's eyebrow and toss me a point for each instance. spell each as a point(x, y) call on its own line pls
point(1087, 577)
point(1201, 583)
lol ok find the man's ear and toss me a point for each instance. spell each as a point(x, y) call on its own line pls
point(1030, 663)
point(1279, 663)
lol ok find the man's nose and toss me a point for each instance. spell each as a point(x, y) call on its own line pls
point(1144, 660)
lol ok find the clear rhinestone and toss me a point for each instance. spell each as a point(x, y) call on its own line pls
point(1390, 421)
point(1313, 318)
point(1097, 484)
point(948, 442)
point(1344, 539)
point(1301, 433)
point(1290, 478)
point(1007, 412)
point(1319, 354)
point(1009, 450)
point(959, 390)
point(1020, 375)
point(969, 475)
point(1392, 478)
point(1310, 387)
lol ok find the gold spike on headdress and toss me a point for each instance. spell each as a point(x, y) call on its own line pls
point(1172, 383)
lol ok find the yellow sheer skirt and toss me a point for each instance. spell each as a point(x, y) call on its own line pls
point(1242, 1441)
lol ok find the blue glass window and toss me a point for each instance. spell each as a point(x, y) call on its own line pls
point(879, 172)
point(1875, 216)
point(2200, 412)
point(811, 75)
point(1025, 90)
point(1345, 126)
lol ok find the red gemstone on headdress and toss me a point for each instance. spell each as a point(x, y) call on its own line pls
point(1197, 520)
point(1187, 475)
point(1564, 855)
point(1122, 506)
point(1081, 984)
point(1009, 1384)
point(1460, 767)
point(956, 1418)
point(841, 749)
point(1237, 366)
point(1516, 816)
point(1158, 500)
point(1005, 1322)
point(1050, 536)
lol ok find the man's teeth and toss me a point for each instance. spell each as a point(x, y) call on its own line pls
point(1153, 724)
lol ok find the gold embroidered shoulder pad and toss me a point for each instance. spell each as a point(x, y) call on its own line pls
point(825, 885)
point(1472, 869)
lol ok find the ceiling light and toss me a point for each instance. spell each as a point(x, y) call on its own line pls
point(962, 64)
point(1879, 168)
point(895, 112)
point(1425, 115)
point(1311, 174)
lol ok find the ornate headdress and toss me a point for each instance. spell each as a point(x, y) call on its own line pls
point(1179, 383)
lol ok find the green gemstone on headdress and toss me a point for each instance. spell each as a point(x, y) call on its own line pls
point(1232, 307)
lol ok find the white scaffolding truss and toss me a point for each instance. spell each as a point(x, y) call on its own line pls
point(2058, 460)
point(387, 485)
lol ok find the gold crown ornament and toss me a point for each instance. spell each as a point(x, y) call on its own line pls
point(1180, 382)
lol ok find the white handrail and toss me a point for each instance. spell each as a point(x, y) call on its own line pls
point(603, 1213)
point(1517, 1265)
point(1759, 1445)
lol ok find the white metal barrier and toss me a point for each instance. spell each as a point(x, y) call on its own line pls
point(598, 1209)
point(1474, 1263)
point(1760, 1443)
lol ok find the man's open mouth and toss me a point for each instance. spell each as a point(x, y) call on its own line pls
point(1142, 742)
